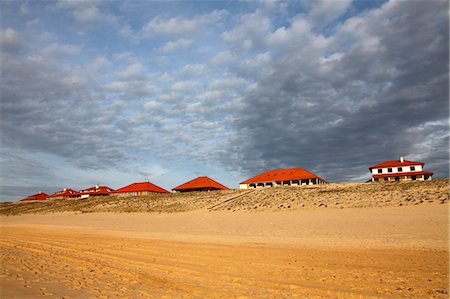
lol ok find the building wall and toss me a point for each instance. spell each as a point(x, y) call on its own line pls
point(395, 169)
point(281, 183)
point(402, 178)
point(124, 194)
point(137, 193)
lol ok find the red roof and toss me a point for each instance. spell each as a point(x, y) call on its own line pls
point(96, 190)
point(396, 163)
point(66, 192)
point(138, 187)
point(202, 182)
point(393, 174)
point(37, 196)
point(286, 174)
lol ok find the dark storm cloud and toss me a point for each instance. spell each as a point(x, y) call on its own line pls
point(47, 107)
point(383, 94)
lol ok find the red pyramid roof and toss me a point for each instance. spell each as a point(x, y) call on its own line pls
point(396, 163)
point(285, 174)
point(202, 182)
point(97, 190)
point(66, 192)
point(143, 186)
point(37, 196)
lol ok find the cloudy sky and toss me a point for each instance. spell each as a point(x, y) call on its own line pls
point(118, 92)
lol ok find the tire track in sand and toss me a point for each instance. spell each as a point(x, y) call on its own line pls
point(105, 266)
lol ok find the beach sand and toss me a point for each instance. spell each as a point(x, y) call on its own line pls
point(373, 252)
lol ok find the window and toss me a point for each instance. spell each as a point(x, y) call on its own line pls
point(399, 169)
point(386, 179)
point(389, 169)
point(413, 168)
point(397, 179)
point(426, 177)
point(413, 178)
point(380, 170)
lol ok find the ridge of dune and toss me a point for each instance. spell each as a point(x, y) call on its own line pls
point(336, 195)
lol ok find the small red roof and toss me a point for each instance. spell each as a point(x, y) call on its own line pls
point(393, 174)
point(138, 187)
point(286, 174)
point(202, 182)
point(66, 192)
point(96, 190)
point(37, 196)
point(396, 163)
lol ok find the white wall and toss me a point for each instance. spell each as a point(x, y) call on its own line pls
point(243, 186)
point(395, 169)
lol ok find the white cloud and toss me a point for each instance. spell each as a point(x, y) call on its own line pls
point(152, 105)
point(257, 61)
point(134, 70)
point(227, 83)
point(85, 12)
point(53, 54)
point(222, 58)
point(192, 70)
point(176, 45)
point(155, 171)
point(11, 40)
point(131, 88)
point(324, 12)
point(124, 56)
point(33, 23)
point(172, 26)
point(127, 32)
point(99, 63)
point(88, 14)
point(170, 96)
point(183, 86)
point(180, 26)
point(250, 31)
point(59, 50)
point(298, 30)
point(211, 95)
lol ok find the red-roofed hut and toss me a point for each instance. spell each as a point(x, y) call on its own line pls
point(139, 189)
point(38, 196)
point(95, 191)
point(64, 193)
point(202, 183)
point(399, 170)
point(282, 177)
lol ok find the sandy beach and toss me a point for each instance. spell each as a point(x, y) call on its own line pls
point(387, 252)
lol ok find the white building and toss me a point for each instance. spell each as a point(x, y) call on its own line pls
point(282, 177)
point(399, 170)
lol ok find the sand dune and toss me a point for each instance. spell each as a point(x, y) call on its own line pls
point(181, 248)
point(342, 195)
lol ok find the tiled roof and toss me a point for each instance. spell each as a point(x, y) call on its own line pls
point(138, 187)
point(96, 190)
point(394, 174)
point(37, 196)
point(66, 192)
point(286, 174)
point(396, 163)
point(202, 182)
